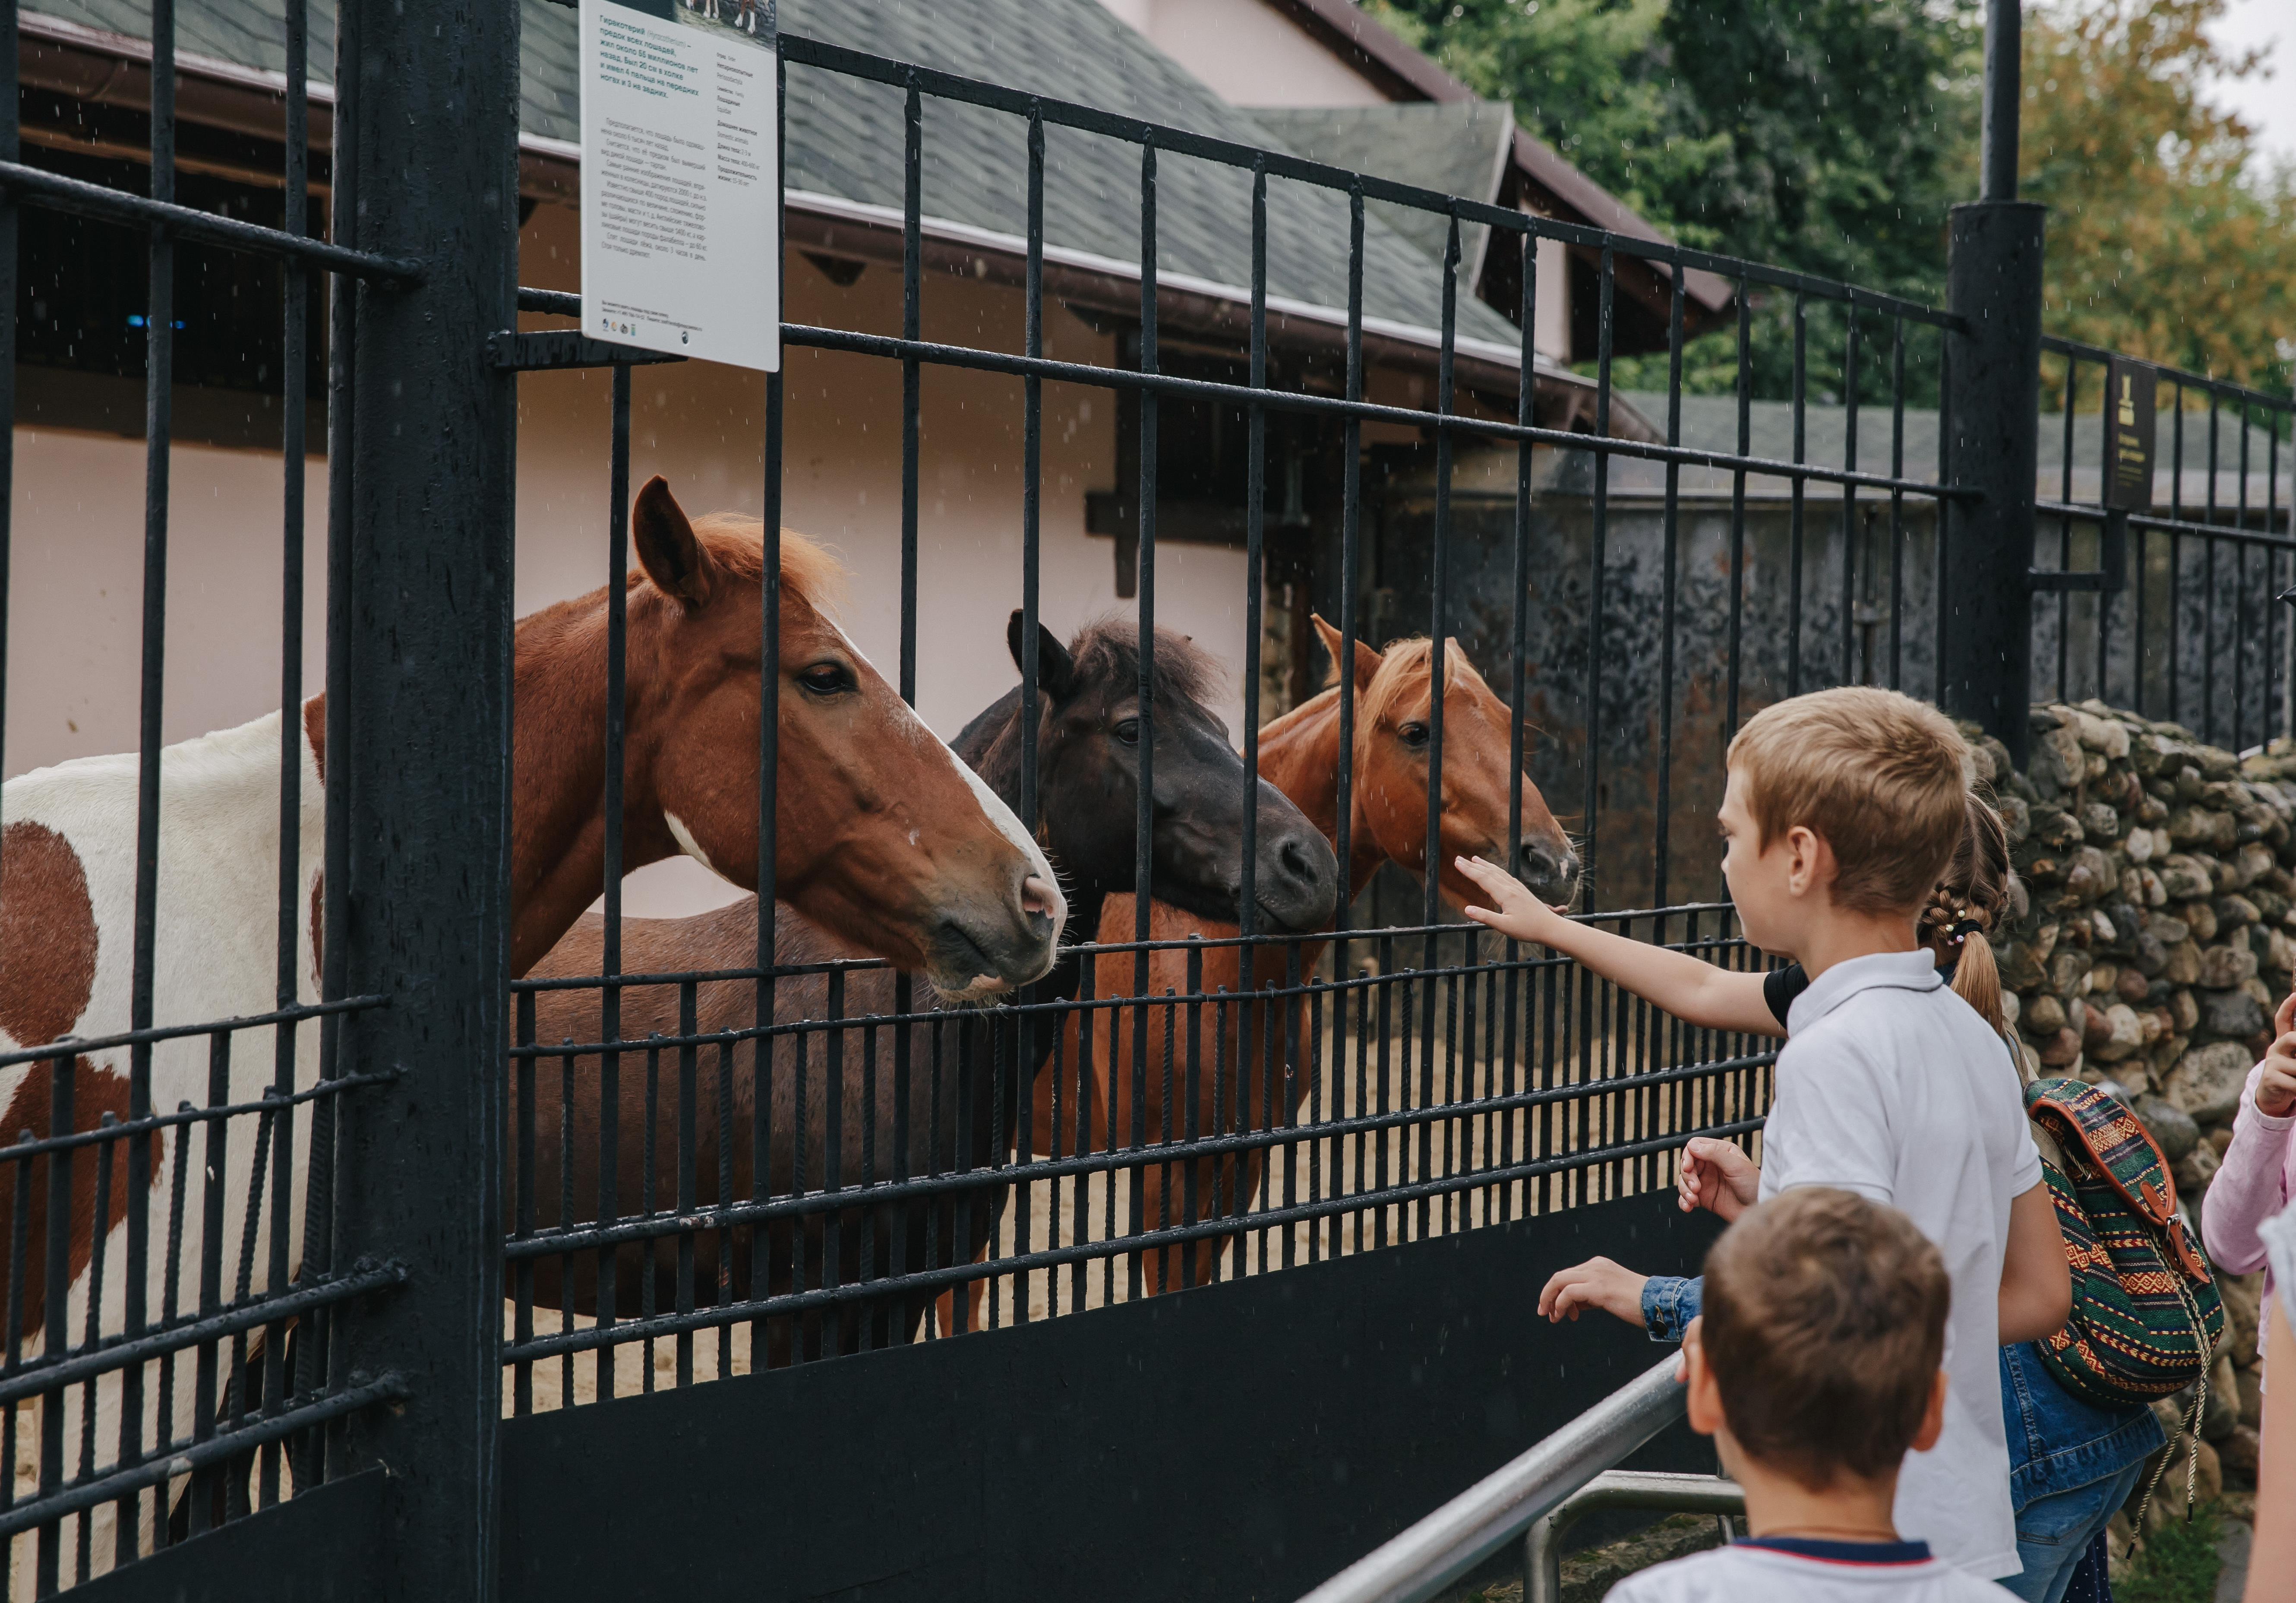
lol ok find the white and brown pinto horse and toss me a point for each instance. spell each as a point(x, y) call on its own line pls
point(881, 836)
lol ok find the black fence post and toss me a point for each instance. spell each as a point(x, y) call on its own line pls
point(1993, 393)
point(420, 725)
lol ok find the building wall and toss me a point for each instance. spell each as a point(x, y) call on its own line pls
point(1248, 53)
point(77, 559)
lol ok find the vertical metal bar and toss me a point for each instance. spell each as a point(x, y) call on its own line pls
point(1848, 503)
point(1596, 598)
point(689, 1178)
point(1745, 397)
point(1032, 409)
point(1662, 842)
point(320, 1211)
point(1033, 1027)
point(522, 1219)
point(2208, 589)
point(1799, 492)
point(1437, 586)
point(1994, 376)
point(1255, 523)
point(2065, 523)
point(56, 1334)
point(1896, 503)
point(912, 293)
point(1526, 389)
point(2176, 560)
point(429, 841)
point(1351, 574)
point(1144, 822)
point(769, 690)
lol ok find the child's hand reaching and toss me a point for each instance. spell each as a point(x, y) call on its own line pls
point(1597, 1282)
point(1717, 1175)
point(1520, 915)
point(2276, 1088)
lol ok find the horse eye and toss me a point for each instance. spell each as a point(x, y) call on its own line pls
point(824, 678)
point(1413, 735)
point(1129, 731)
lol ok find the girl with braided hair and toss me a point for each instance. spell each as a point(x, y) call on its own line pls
point(2071, 1463)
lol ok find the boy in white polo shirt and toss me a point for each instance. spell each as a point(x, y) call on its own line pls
point(1815, 1368)
point(1842, 810)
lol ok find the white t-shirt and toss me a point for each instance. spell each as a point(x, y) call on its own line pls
point(1744, 1573)
point(1891, 1086)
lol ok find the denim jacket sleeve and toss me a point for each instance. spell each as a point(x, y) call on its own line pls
point(1669, 1303)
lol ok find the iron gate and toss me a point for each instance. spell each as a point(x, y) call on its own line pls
point(1378, 1085)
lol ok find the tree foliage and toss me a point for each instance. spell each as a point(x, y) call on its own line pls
point(1832, 136)
point(2165, 240)
point(1819, 135)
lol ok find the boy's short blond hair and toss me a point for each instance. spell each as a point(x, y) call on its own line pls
point(1823, 1323)
point(1880, 777)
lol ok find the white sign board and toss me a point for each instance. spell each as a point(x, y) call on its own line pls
point(680, 181)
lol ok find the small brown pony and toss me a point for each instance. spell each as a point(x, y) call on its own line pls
point(1299, 755)
point(881, 836)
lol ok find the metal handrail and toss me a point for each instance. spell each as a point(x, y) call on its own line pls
point(1419, 1562)
point(1542, 1557)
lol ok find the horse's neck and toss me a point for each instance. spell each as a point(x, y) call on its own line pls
point(1299, 755)
point(559, 767)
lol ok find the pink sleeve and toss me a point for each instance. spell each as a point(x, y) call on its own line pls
point(2251, 1188)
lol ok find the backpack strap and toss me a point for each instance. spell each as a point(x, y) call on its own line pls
point(2119, 1149)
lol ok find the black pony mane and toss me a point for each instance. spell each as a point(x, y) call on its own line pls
point(1109, 649)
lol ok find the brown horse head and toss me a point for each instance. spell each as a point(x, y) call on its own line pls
point(1395, 694)
point(881, 836)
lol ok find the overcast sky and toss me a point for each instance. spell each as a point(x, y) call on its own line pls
point(2266, 104)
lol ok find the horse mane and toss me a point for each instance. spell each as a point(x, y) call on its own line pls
point(810, 572)
point(1181, 670)
point(1404, 666)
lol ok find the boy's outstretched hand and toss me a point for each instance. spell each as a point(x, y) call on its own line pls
point(1717, 1175)
point(2276, 1088)
point(1519, 915)
point(1597, 1282)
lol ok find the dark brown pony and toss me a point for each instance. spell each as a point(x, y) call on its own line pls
point(935, 1097)
point(1299, 754)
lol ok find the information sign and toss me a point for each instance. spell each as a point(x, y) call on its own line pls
point(680, 179)
point(2131, 389)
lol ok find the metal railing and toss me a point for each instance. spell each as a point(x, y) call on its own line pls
point(1509, 1504)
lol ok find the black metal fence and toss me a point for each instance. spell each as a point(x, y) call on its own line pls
point(801, 1159)
point(914, 1171)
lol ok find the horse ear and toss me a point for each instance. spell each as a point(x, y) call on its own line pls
point(1367, 660)
point(668, 549)
point(1056, 668)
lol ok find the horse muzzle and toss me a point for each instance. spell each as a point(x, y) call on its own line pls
point(1298, 879)
point(1548, 867)
point(978, 953)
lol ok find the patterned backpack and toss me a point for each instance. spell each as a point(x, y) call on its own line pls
point(2147, 1315)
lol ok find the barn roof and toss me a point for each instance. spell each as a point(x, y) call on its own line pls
point(845, 156)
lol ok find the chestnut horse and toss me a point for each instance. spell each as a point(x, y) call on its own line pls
point(950, 1105)
point(883, 835)
point(1300, 753)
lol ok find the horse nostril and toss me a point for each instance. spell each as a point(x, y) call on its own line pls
point(1295, 859)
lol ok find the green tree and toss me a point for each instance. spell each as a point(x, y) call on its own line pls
point(2168, 239)
point(1825, 136)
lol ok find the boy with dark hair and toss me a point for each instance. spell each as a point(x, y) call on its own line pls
point(1816, 1367)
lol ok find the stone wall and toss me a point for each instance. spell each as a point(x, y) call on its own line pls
point(2155, 934)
